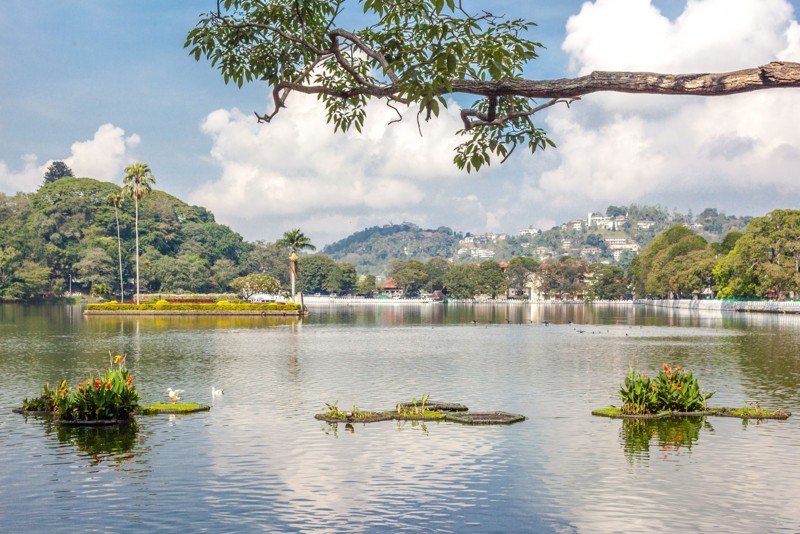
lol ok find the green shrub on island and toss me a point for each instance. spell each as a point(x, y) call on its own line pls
point(221, 305)
point(673, 390)
point(109, 395)
point(46, 402)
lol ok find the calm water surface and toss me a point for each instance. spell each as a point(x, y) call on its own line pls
point(260, 461)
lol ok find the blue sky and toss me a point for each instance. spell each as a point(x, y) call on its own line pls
point(101, 84)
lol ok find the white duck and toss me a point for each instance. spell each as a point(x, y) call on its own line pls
point(216, 392)
point(174, 395)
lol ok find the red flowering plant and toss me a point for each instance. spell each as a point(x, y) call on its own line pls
point(679, 391)
point(674, 390)
point(109, 395)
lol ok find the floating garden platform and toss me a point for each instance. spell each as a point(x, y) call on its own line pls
point(420, 411)
point(484, 418)
point(742, 413)
point(178, 408)
point(357, 417)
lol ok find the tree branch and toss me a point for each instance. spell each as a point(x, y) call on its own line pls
point(778, 74)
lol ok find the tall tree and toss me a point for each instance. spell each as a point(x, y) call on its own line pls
point(765, 259)
point(295, 240)
point(116, 199)
point(56, 170)
point(410, 275)
point(138, 182)
point(519, 273)
point(416, 52)
point(661, 269)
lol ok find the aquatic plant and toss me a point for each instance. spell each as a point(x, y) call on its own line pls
point(638, 394)
point(106, 396)
point(46, 402)
point(333, 411)
point(673, 389)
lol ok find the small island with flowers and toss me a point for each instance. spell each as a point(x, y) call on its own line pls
point(675, 392)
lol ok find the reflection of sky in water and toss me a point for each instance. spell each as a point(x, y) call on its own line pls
point(259, 460)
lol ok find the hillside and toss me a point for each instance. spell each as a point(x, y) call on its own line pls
point(371, 249)
point(615, 237)
point(65, 235)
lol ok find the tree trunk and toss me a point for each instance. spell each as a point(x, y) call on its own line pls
point(293, 272)
point(119, 251)
point(136, 204)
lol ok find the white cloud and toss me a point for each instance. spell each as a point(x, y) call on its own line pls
point(738, 153)
point(297, 169)
point(27, 179)
point(103, 157)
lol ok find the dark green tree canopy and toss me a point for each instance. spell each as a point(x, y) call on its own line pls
point(295, 240)
point(765, 259)
point(56, 170)
point(416, 52)
point(675, 263)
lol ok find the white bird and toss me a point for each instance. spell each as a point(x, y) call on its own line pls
point(174, 395)
point(216, 392)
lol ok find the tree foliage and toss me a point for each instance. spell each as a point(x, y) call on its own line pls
point(765, 259)
point(255, 283)
point(608, 282)
point(56, 170)
point(68, 230)
point(415, 53)
point(319, 273)
point(296, 240)
point(674, 264)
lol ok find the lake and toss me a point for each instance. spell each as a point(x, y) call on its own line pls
point(258, 460)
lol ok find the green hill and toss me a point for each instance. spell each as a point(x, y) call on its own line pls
point(65, 235)
point(371, 249)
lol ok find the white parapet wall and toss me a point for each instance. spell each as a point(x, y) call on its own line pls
point(757, 306)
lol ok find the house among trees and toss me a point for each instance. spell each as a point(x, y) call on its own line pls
point(390, 289)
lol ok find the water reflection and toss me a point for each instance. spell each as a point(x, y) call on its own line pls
point(111, 445)
point(672, 436)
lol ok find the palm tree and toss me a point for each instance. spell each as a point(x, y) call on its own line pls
point(138, 180)
point(116, 199)
point(295, 240)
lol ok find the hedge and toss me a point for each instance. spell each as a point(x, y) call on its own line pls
point(243, 306)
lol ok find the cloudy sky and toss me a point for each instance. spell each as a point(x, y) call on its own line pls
point(101, 84)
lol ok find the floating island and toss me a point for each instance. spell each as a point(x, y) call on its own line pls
point(742, 413)
point(424, 410)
